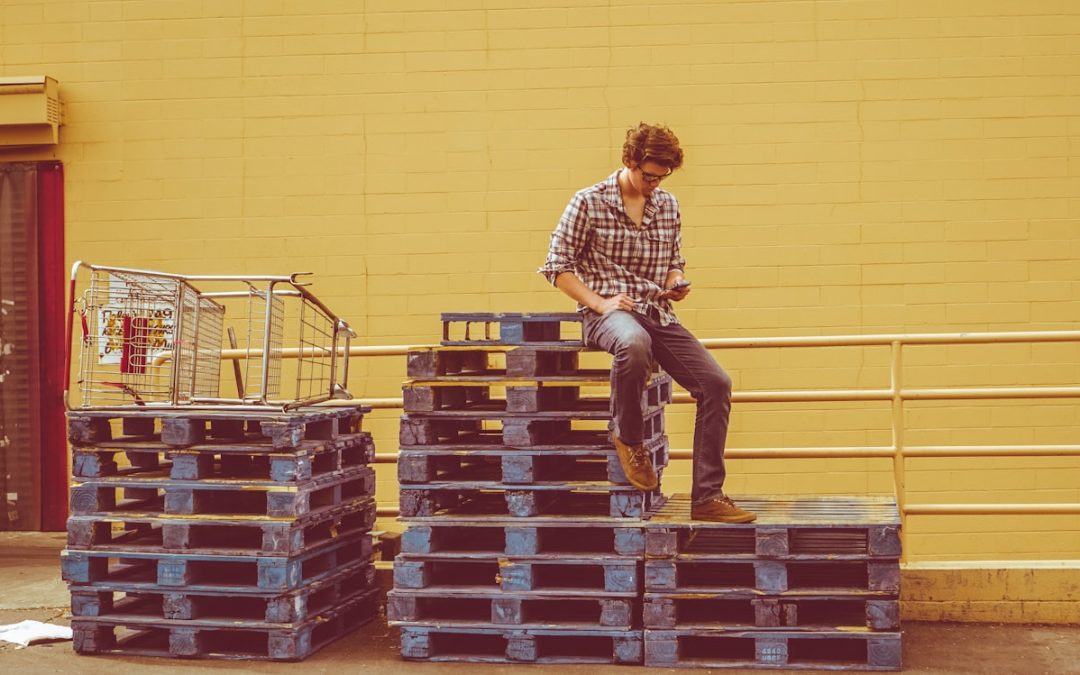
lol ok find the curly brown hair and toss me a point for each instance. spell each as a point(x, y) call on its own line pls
point(652, 142)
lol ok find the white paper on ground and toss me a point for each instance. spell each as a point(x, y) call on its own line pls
point(26, 632)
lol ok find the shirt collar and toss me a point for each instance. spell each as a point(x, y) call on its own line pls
point(613, 196)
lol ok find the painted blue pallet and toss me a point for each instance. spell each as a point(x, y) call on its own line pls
point(464, 538)
point(292, 607)
point(850, 577)
point(511, 429)
point(820, 650)
point(811, 612)
point(445, 608)
point(251, 457)
point(529, 645)
point(193, 572)
point(507, 328)
point(220, 535)
point(546, 576)
point(520, 465)
point(453, 395)
point(218, 640)
point(181, 428)
point(219, 497)
point(833, 527)
point(497, 362)
point(518, 501)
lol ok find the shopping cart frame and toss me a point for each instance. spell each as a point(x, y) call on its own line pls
point(274, 290)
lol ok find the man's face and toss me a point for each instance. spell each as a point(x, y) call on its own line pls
point(647, 175)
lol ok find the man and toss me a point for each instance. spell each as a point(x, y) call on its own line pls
point(616, 252)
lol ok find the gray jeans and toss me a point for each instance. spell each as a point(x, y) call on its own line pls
point(634, 340)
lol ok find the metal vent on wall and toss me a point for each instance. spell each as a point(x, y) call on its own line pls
point(30, 111)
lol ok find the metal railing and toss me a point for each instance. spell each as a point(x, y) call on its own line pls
point(896, 393)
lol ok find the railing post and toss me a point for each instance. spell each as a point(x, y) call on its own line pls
point(899, 474)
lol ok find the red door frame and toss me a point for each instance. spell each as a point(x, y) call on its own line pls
point(52, 311)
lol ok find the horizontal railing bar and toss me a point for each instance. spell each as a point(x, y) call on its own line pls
point(992, 450)
point(922, 510)
point(761, 342)
point(872, 452)
point(793, 453)
point(842, 395)
point(991, 509)
point(985, 393)
point(884, 340)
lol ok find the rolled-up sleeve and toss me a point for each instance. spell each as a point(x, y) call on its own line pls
point(677, 262)
point(568, 241)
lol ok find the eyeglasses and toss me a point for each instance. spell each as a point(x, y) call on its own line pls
point(652, 177)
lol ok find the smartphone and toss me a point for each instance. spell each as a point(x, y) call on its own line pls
point(681, 283)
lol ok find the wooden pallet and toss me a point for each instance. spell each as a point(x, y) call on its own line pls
point(452, 397)
point(157, 495)
point(515, 645)
point(510, 429)
point(250, 458)
point(232, 536)
point(615, 501)
point(552, 394)
point(291, 607)
point(512, 328)
point(714, 610)
point(473, 609)
point(222, 639)
point(457, 539)
point(545, 576)
point(521, 466)
point(181, 428)
point(497, 362)
point(196, 572)
point(787, 527)
point(849, 577)
point(823, 650)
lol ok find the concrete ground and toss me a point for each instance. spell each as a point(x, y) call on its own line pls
point(30, 588)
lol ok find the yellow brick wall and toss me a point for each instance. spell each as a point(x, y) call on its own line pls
point(852, 167)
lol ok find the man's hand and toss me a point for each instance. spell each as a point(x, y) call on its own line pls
point(675, 294)
point(608, 305)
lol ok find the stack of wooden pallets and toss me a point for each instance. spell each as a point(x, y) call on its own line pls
point(524, 539)
point(813, 583)
point(218, 534)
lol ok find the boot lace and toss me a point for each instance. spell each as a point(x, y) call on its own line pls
point(639, 457)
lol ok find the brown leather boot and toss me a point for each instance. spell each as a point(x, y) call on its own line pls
point(637, 465)
point(721, 510)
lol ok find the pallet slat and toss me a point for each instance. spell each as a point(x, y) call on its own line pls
point(719, 610)
point(771, 649)
point(291, 607)
point(514, 430)
point(285, 536)
point(181, 428)
point(133, 495)
point(512, 500)
point(548, 576)
point(512, 329)
point(248, 458)
point(494, 645)
point(138, 571)
point(520, 465)
point(459, 539)
point(190, 639)
point(477, 610)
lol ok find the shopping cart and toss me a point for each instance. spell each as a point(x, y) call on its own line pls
point(154, 340)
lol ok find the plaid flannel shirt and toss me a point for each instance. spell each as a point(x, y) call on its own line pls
point(596, 240)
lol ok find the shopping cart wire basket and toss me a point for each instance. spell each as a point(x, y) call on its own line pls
point(154, 339)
